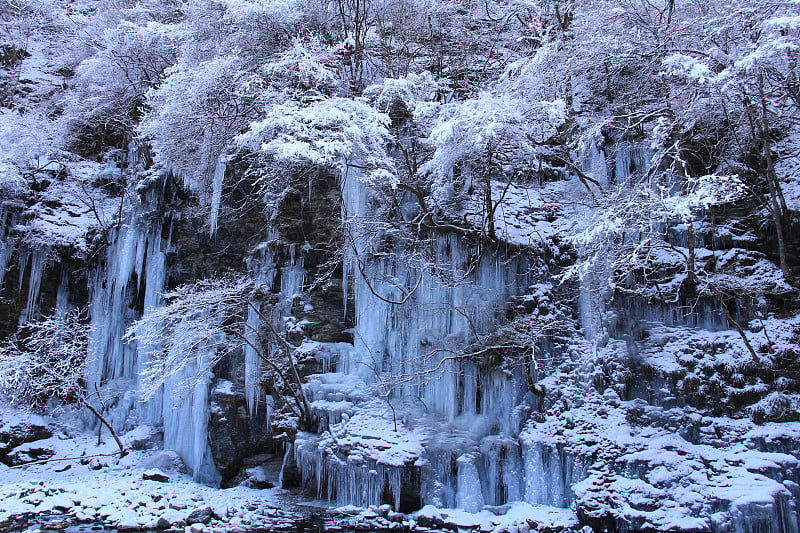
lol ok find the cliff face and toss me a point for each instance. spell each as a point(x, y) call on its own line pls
point(451, 371)
point(448, 255)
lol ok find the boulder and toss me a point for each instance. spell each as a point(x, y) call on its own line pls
point(201, 515)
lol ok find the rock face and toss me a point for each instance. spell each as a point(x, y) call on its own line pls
point(578, 429)
point(310, 218)
point(235, 434)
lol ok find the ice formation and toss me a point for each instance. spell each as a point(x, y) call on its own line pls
point(402, 418)
point(216, 192)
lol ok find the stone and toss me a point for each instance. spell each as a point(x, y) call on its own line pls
point(28, 454)
point(201, 515)
point(171, 517)
point(166, 461)
point(21, 433)
point(58, 524)
point(61, 502)
point(155, 475)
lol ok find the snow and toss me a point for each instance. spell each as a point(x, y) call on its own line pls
point(100, 487)
point(515, 515)
point(642, 407)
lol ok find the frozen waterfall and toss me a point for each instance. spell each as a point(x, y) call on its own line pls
point(413, 318)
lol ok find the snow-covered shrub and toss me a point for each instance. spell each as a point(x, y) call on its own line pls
point(334, 133)
point(196, 113)
point(776, 407)
point(46, 360)
point(109, 96)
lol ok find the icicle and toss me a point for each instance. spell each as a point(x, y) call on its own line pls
point(502, 471)
point(262, 265)
point(133, 155)
point(109, 357)
point(38, 263)
point(155, 274)
point(135, 261)
point(252, 360)
point(442, 312)
point(24, 257)
point(216, 193)
point(287, 455)
point(292, 276)
point(549, 474)
point(6, 250)
point(62, 295)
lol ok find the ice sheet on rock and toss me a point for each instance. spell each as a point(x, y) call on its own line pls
point(517, 516)
point(355, 459)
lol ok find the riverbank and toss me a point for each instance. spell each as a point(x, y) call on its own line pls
point(64, 474)
point(61, 478)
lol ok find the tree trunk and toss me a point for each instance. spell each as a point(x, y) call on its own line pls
point(487, 197)
point(739, 330)
point(122, 451)
point(775, 192)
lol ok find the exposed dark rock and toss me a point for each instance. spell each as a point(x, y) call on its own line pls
point(28, 455)
point(155, 475)
point(235, 434)
point(15, 435)
point(202, 515)
point(18, 434)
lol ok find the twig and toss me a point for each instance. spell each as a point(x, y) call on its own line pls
point(51, 460)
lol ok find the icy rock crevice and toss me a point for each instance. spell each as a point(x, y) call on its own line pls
point(8, 219)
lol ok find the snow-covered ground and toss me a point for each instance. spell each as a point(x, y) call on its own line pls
point(82, 482)
point(85, 482)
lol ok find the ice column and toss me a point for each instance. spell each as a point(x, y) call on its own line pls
point(263, 267)
point(470, 494)
point(216, 192)
point(38, 262)
point(186, 422)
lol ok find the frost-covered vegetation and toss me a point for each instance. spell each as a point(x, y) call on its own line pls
point(509, 264)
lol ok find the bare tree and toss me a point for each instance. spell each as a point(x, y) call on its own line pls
point(203, 322)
